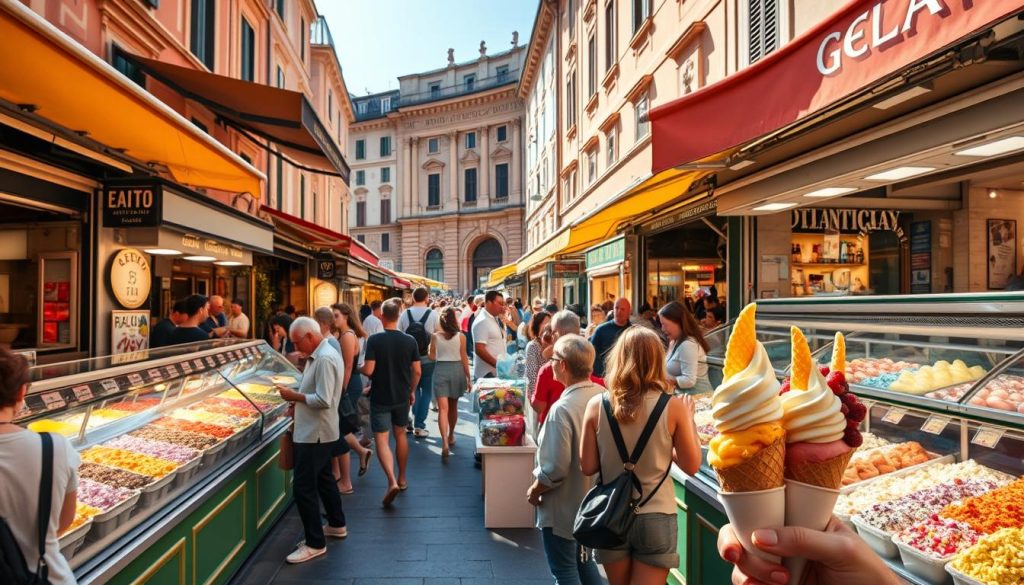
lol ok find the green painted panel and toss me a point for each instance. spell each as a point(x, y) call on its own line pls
point(704, 565)
point(271, 490)
point(170, 568)
point(218, 537)
point(682, 538)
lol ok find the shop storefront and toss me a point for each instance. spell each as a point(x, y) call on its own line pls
point(607, 277)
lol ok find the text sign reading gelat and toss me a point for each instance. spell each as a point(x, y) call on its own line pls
point(130, 278)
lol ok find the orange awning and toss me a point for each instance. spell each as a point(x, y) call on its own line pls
point(279, 115)
point(42, 67)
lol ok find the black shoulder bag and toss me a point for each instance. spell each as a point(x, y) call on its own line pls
point(13, 568)
point(609, 509)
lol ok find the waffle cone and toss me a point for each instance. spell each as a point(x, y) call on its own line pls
point(826, 474)
point(839, 354)
point(800, 372)
point(763, 471)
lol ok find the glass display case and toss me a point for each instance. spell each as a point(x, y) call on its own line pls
point(943, 380)
point(152, 432)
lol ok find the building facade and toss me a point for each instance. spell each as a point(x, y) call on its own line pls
point(441, 165)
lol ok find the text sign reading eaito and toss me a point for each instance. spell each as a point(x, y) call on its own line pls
point(132, 205)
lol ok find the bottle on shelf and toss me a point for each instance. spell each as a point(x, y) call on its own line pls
point(816, 253)
point(843, 250)
point(794, 251)
point(860, 255)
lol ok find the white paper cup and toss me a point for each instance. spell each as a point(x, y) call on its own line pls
point(750, 511)
point(809, 506)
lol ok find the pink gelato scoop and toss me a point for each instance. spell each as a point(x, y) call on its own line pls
point(804, 453)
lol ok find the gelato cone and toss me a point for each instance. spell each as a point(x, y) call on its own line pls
point(748, 454)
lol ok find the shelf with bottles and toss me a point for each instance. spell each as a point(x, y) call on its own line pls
point(828, 264)
point(822, 249)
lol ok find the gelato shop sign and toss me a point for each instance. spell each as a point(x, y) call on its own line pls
point(130, 278)
point(132, 205)
point(851, 221)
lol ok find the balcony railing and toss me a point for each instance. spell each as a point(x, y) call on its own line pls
point(375, 107)
point(449, 91)
point(320, 33)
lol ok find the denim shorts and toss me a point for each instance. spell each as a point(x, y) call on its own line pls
point(383, 418)
point(651, 541)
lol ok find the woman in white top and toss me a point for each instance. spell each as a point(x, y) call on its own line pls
point(20, 470)
point(451, 375)
point(687, 361)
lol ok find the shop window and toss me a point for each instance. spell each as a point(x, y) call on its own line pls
point(385, 211)
point(641, 108)
point(385, 146)
point(501, 181)
point(385, 242)
point(470, 185)
point(201, 31)
point(435, 265)
point(248, 71)
point(433, 190)
point(360, 214)
point(360, 148)
point(762, 28)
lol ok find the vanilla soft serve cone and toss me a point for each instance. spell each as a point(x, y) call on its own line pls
point(748, 454)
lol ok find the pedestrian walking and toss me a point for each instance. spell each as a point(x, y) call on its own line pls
point(451, 376)
point(489, 336)
point(607, 333)
point(24, 456)
point(420, 322)
point(351, 337)
point(559, 485)
point(687, 361)
point(372, 324)
point(392, 363)
point(315, 412)
point(636, 380)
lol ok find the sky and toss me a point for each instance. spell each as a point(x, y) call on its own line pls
point(379, 40)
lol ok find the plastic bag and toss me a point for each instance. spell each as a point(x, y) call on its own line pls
point(506, 366)
point(500, 397)
point(503, 431)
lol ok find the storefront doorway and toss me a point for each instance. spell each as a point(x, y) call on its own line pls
point(486, 257)
point(685, 259)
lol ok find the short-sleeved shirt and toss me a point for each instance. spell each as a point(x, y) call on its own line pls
point(603, 340)
point(431, 325)
point(188, 335)
point(212, 322)
point(239, 323)
point(160, 335)
point(394, 353)
point(548, 390)
point(371, 325)
point(21, 456)
point(486, 330)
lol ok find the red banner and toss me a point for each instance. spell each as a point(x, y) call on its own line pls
point(856, 47)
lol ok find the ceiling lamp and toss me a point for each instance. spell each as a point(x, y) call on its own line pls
point(899, 173)
point(774, 206)
point(830, 192)
point(995, 148)
point(162, 252)
point(200, 258)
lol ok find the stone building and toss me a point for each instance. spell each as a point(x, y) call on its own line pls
point(437, 168)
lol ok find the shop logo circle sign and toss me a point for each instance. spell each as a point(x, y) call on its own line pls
point(130, 278)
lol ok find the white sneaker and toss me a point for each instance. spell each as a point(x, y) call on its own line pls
point(305, 553)
point(340, 532)
point(421, 433)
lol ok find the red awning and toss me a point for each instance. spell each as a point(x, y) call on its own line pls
point(401, 282)
point(360, 251)
point(861, 44)
point(308, 233)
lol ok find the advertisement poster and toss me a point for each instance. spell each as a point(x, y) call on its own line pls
point(130, 331)
point(1002, 252)
point(921, 257)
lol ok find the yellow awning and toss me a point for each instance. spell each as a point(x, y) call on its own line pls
point(68, 85)
point(603, 223)
point(422, 280)
point(499, 274)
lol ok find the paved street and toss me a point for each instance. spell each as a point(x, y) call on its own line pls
point(434, 535)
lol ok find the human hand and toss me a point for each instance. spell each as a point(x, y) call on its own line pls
point(412, 398)
point(533, 494)
point(836, 556)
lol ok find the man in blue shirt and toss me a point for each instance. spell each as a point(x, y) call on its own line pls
point(607, 333)
point(160, 335)
point(216, 324)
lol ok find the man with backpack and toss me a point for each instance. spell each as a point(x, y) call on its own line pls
point(420, 322)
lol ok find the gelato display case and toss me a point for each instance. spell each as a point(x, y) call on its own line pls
point(942, 377)
point(161, 434)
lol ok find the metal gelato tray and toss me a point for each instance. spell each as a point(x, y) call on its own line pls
point(107, 522)
point(72, 541)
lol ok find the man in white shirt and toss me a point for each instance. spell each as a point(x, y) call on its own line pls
point(420, 313)
point(238, 322)
point(489, 335)
point(372, 324)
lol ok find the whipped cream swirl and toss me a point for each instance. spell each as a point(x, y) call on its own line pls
point(748, 398)
point(813, 415)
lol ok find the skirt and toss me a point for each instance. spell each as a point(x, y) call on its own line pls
point(449, 380)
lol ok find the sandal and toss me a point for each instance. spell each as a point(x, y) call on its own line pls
point(364, 463)
point(403, 486)
point(347, 492)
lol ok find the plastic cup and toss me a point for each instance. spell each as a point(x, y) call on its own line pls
point(749, 511)
point(811, 507)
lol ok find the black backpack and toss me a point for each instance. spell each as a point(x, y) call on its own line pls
point(418, 330)
point(13, 568)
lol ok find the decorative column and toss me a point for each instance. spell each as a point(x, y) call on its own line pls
point(483, 188)
point(406, 192)
point(515, 172)
point(453, 171)
point(414, 173)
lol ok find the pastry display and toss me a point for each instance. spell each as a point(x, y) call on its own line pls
point(158, 449)
point(83, 512)
point(191, 440)
point(500, 397)
point(100, 495)
point(996, 559)
point(881, 460)
point(113, 477)
point(217, 407)
point(915, 507)
point(197, 414)
point(748, 452)
point(134, 462)
point(940, 375)
point(938, 538)
point(863, 368)
point(194, 427)
point(821, 417)
point(871, 441)
point(989, 512)
point(504, 431)
point(1005, 392)
point(951, 394)
point(137, 405)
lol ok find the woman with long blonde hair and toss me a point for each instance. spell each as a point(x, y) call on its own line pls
point(349, 332)
point(636, 379)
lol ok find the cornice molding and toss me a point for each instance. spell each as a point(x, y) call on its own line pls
point(687, 38)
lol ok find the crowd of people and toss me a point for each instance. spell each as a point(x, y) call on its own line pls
point(369, 379)
point(198, 318)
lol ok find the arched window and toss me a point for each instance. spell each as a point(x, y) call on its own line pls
point(486, 257)
point(435, 265)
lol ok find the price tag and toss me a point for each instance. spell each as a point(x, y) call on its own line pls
point(988, 437)
point(186, 367)
point(25, 410)
point(221, 359)
point(172, 371)
point(53, 400)
point(199, 365)
point(895, 415)
point(135, 379)
point(211, 362)
point(155, 375)
point(109, 386)
point(935, 424)
point(82, 393)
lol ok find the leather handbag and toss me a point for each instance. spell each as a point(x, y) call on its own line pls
point(286, 456)
point(609, 509)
